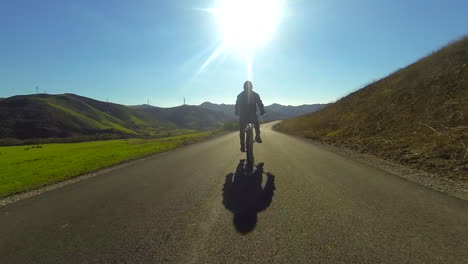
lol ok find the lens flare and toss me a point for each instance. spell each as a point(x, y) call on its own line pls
point(247, 25)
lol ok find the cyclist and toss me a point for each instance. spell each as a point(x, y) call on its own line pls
point(246, 108)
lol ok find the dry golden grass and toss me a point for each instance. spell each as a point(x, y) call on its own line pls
point(416, 116)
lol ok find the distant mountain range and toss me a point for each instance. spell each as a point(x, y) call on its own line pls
point(273, 112)
point(70, 115)
point(184, 116)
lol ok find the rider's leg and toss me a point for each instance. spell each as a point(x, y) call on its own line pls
point(242, 134)
point(257, 130)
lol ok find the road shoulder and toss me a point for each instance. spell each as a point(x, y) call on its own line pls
point(455, 188)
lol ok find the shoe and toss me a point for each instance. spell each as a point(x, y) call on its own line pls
point(258, 139)
point(242, 148)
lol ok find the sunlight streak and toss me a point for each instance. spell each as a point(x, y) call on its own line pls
point(218, 51)
point(249, 67)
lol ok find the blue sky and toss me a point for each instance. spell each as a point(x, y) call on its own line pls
point(128, 51)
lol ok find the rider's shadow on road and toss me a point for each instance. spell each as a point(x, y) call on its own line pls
point(245, 197)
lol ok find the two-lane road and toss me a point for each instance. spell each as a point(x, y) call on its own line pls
point(197, 204)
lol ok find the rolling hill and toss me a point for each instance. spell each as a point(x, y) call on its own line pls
point(226, 109)
point(185, 116)
point(416, 116)
point(69, 115)
point(44, 116)
point(78, 118)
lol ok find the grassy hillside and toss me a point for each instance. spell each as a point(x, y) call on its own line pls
point(44, 116)
point(416, 116)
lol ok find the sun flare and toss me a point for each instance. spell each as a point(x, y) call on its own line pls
point(247, 25)
point(244, 26)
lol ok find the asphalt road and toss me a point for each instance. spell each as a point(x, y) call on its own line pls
point(198, 204)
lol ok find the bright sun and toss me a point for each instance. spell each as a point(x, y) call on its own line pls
point(247, 25)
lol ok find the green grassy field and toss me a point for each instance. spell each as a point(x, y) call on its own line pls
point(28, 167)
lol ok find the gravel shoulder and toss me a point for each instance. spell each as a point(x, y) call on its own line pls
point(434, 181)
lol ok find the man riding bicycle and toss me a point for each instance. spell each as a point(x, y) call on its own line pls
point(246, 108)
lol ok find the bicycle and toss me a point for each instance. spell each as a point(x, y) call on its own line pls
point(249, 140)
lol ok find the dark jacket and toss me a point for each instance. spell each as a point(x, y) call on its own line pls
point(247, 103)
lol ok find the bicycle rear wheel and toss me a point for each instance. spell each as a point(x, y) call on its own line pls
point(249, 145)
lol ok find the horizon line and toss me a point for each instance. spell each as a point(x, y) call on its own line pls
point(111, 102)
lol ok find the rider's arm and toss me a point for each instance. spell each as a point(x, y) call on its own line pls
point(259, 103)
point(236, 112)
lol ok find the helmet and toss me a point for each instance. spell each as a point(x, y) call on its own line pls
point(248, 85)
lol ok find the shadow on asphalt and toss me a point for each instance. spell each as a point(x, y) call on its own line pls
point(244, 195)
